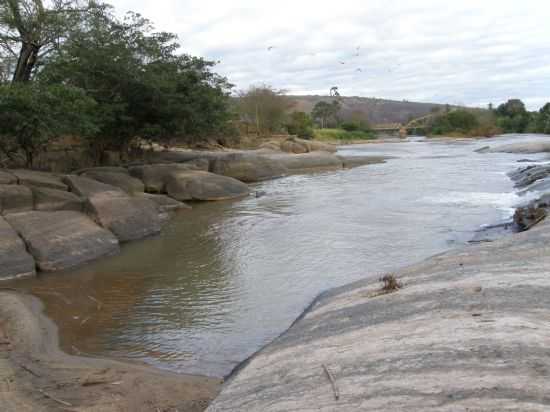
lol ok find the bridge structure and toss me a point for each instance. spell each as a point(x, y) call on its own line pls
point(414, 126)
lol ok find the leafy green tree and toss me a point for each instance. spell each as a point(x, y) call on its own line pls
point(459, 120)
point(301, 125)
point(325, 113)
point(31, 29)
point(142, 87)
point(32, 115)
point(265, 107)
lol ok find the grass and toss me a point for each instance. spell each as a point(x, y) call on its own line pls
point(341, 134)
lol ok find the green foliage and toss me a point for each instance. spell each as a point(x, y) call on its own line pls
point(32, 115)
point(326, 113)
point(512, 117)
point(264, 107)
point(301, 125)
point(142, 87)
point(460, 120)
point(341, 134)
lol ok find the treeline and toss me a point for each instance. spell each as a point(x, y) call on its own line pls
point(73, 68)
point(509, 117)
point(272, 112)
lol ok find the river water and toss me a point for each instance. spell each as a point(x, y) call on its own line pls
point(226, 278)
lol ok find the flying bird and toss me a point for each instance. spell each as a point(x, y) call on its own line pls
point(358, 70)
point(342, 62)
point(270, 48)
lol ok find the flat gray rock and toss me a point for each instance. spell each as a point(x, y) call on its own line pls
point(52, 200)
point(248, 168)
point(15, 199)
point(522, 148)
point(39, 179)
point(129, 218)
point(154, 176)
point(356, 161)
point(61, 240)
point(308, 161)
point(119, 179)
point(86, 187)
point(109, 169)
point(14, 259)
point(166, 206)
point(196, 185)
point(6, 178)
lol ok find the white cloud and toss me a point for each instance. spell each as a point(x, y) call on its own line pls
point(471, 52)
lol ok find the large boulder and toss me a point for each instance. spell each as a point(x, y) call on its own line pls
point(53, 200)
point(14, 259)
point(118, 179)
point(86, 187)
point(530, 175)
point(6, 178)
point(356, 161)
point(129, 218)
point(39, 179)
point(308, 161)
point(166, 206)
point(198, 185)
point(522, 148)
point(15, 198)
point(154, 176)
point(248, 168)
point(110, 169)
point(298, 146)
point(61, 240)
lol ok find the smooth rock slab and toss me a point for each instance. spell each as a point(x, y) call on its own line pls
point(155, 176)
point(15, 199)
point(86, 187)
point(196, 185)
point(522, 148)
point(248, 168)
point(129, 218)
point(309, 161)
point(52, 200)
point(123, 181)
point(39, 179)
point(7, 178)
point(14, 259)
point(61, 240)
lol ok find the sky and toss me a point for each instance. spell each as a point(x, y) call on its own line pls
point(460, 52)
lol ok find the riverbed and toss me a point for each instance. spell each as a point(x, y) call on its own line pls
point(226, 278)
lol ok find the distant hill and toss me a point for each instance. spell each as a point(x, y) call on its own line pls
point(376, 111)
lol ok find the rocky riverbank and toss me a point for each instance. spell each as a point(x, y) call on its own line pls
point(51, 222)
point(464, 330)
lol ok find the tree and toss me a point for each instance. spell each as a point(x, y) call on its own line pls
point(29, 30)
point(301, 125)
point(32, 115)
point(142, 87)
point(265, 107)
point(512, 116)
point(325, 112)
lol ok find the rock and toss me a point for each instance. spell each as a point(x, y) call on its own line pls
point(129, 218)
point(248, 168)
point(530, 175)
point(184, 156)
point(527, 217)
point(15, 198)
point(523, 148)
point(271, 146)
point(154, 176)
point(166, 205)
point(298, 146)
point(61, 240)
point(39, 179)
point(86, 187)
point(54, 200)
point(121, 180)
point(14, 259)
point(356, 161)
point(308, 161)
point(542, 185)
point(197, 185)
point(109, 169)
point(7, 178)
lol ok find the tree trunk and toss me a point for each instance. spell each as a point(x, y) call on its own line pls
point(26, 62)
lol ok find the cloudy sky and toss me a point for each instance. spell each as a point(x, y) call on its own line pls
point(461, 52)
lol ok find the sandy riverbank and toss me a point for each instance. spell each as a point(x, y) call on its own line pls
point(35, 375)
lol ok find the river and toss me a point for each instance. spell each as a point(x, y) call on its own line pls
point(226, 278)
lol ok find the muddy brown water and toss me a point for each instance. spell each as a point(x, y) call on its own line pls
point(226, 278)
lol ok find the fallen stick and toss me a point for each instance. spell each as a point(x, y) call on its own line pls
point(53, 398)
point(332, 382)
point(85, 320)
point(98, 303)
point(28, 370)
